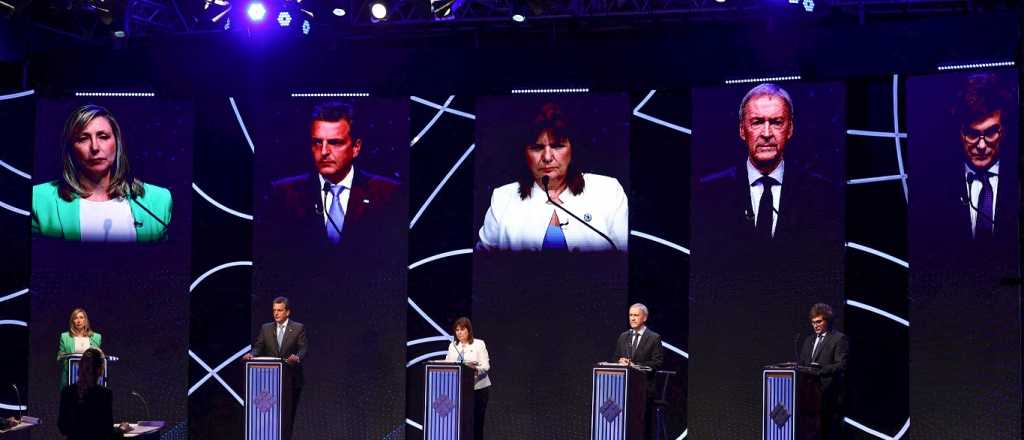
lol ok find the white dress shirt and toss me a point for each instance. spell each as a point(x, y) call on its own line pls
point(512, 223)
point(342, 196)
point(974, 192)
point(475, 352)
point(756, 189)
point(109, 220)
point(817, 341)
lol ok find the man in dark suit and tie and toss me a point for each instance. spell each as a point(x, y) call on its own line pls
point(827, 351)
point(336, 206)
point(641, 346)
point(767, 203)
point(284, 339)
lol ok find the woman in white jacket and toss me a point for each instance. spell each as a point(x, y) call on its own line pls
point(472, 352)
point(521, 216)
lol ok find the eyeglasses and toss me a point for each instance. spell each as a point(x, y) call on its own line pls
point(973, 136)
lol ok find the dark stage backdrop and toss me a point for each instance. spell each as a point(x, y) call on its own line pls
point(135, 293)
point(351, 296)
point(750, 297)
point(965, 349)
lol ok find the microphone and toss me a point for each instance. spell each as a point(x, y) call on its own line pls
point(151, 214)
point(107, 224)
point(967, 201)
point(144, 404)
point(326, 189)
point(18, 394)
point(462, 357)
point(544, 181)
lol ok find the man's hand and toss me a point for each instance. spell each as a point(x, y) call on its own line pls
point(247, 357)
point(623, 361)
point(293, 359)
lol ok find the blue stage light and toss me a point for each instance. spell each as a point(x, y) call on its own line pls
point(378, 11)
point(338, 12)
point(256, 11)
point(284, 19)
point(518, 18)
point(305, 27)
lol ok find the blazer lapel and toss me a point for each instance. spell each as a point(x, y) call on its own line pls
point(67, 213)
point(358, 200)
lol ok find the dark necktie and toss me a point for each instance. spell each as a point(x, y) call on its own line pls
point(634, 343)
point(817, 345)
point(765, 208)
point(983, 220)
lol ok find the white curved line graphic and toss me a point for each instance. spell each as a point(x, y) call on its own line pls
point(433, 121)
point(660, 241)
point(215, 270)
point(441, 185)
point(425, 340)
point(13, 322)
point(876, 179)
point(877, 310)
point(220, 206)
point(16, 95)
point(14, 210)
point(13, 295)
point(661, 122)
point(442, 108)
point(675, 349)
point(245, 131)
point(896, 130)
point(15, 170)
point(877, 253)
point(870, 133)
point(414, 424)
point(440, 256)
point(212, 372)
point(683, 435)
point(432, 354)
point(427, 318)
point(13, 407)
point(880, 435)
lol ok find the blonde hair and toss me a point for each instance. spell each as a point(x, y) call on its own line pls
point(122, 184)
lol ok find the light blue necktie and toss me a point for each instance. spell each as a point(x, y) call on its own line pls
point(336, 215)
point(280, 336)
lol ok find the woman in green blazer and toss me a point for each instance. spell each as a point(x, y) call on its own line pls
point(76, 340)
point(97, 198)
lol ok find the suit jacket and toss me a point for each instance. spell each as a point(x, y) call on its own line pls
point(648, 352)
point(808, 230)
point(294, 342)
point(89, 419)
point(833, 353)
point(55, 217)
point(295, 218)
point(66, 346)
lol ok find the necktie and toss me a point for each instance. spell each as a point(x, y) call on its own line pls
point(280, 336)
point(636, 341)
point(336, 215)
point(765, 208)
point(983, 222)
point(817, 343)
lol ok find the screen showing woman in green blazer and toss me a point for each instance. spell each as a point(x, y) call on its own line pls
point(97, 198)
point(76, 340)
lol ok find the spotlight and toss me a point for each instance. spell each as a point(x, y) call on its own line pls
point(284, 19)
point(338, 12)
point(518, 18)
point(379, 11)
point(720, 1)
point(305, 27)
point(119, 34)
point(256, 11)
point(809, 5)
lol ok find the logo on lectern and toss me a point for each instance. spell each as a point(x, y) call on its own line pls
point(443, 405)
point(609, 410)
point(264, 401)
point(779, 415)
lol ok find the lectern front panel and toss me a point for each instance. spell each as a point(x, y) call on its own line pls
point(263, 411)
point(778, 408)
point(443, 403)
point(608, 418)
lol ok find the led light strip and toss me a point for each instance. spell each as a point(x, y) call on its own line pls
point(331, 95)
point(572, 90)
point(117, 94)
point(765, 79)
point(976, 65)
